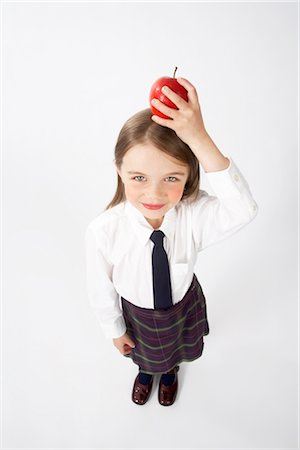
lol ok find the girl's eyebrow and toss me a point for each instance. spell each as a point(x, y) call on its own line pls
point(167, 174)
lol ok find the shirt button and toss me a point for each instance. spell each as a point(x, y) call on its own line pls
point(236, 177)
point(254, 207)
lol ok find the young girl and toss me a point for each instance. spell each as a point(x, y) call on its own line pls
point(141, 251)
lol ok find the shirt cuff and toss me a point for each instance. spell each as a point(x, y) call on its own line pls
point(115, 329)
point(228, 182)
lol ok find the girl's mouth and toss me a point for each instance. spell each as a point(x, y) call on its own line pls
point(152, 206)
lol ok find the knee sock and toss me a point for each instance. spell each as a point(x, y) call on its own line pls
point(168, 379)
point(144, 378)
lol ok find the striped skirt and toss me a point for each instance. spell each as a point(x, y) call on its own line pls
point(165, 338)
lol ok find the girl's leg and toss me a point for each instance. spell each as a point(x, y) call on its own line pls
point(169, 377)
point(144, 378)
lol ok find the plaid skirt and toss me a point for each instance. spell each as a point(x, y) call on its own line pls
point(165, 338)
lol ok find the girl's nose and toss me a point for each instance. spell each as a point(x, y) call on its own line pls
point(154, 191)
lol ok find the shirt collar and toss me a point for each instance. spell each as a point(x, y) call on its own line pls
point(142, 227)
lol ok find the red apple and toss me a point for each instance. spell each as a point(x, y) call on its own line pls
point(155, 92)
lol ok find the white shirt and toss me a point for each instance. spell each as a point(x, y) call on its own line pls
point(119, 251)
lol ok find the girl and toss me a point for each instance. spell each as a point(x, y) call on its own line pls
point(144, 246)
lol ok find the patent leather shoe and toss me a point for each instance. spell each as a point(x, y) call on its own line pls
point(141, 392)
point(167, 394)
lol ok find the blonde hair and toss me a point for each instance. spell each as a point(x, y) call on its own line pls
point(141, 129)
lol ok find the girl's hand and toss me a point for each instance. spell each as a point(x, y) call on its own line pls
point(124, 344)
point(187, 121)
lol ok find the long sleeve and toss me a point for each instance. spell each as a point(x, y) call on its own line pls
point(215, 218)
point(101, 292)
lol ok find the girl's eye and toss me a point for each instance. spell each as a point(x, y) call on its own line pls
point(141, 176)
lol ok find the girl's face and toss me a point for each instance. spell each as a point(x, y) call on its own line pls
point(152, 177)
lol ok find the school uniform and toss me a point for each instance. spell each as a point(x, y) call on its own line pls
point(119, 269)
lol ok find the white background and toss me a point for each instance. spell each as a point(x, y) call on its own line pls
point(72, 74)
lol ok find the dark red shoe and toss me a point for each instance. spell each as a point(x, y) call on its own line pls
point(141, 392)
point(167, 394)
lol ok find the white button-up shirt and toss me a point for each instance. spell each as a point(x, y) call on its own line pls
point(119, 251)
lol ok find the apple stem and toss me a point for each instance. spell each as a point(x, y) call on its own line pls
point(175, 71)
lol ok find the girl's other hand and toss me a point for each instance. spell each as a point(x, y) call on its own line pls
point(187, 120)
point(124, 344)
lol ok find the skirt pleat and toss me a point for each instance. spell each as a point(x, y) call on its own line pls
point(165, 338)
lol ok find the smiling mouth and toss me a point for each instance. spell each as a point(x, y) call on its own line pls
point(152, 206)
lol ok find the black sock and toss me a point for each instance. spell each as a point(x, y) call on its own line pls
point(168, 379)
point(144, 378)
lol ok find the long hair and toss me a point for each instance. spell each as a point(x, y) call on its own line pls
point(141, 129)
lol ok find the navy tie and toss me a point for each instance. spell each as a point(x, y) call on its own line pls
point(161, 274)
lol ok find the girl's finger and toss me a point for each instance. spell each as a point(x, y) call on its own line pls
point(192, 93)
point(163, 122)
point(175, 98)
point(171, 112)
